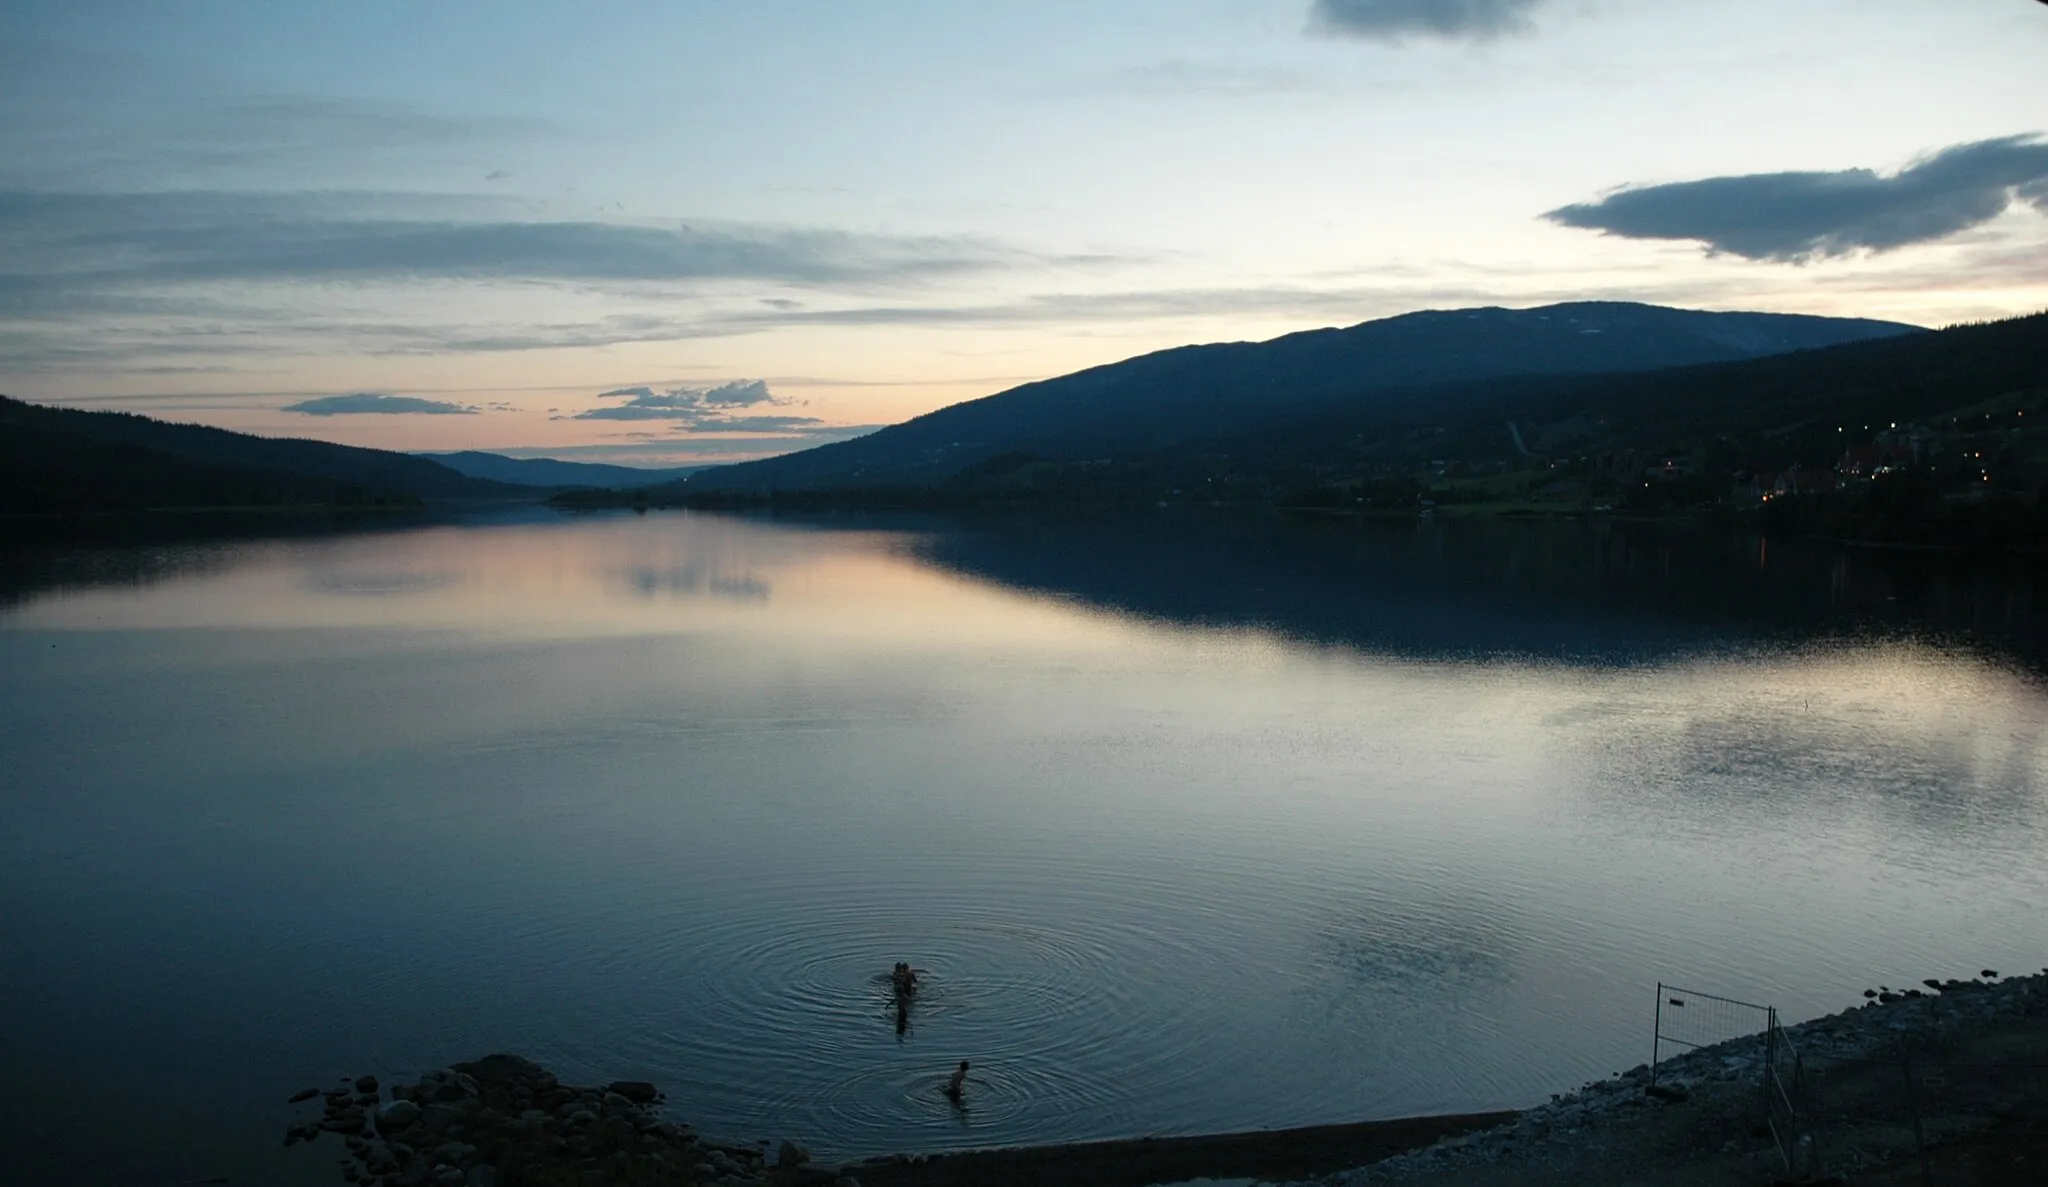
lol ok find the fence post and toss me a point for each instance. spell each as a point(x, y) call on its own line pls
point(1656, 1033)
point(1770, 1058)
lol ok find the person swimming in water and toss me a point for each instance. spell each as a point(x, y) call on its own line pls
point(903, 979)
point(956, 1084)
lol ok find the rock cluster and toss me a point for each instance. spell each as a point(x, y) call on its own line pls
point(504, 1121)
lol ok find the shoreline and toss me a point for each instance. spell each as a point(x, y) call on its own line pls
point(1979, 1098)
point(1268, 1155)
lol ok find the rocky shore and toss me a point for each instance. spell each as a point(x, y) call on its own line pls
point(505, 1121)
point(1983, 1043)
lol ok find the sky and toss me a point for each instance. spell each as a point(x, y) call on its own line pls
point(694, 231)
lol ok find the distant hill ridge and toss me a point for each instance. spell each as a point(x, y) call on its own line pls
point(1194, 393)
point(65, 459)
point(552, 473)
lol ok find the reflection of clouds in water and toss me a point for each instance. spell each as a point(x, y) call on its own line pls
point(1401, 955)
point(1913, 738)
point(1381, 978)
point(692, 580)
point(378, 584)
point(1410, 958)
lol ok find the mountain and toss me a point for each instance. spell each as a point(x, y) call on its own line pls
point(62, 459)
point(1200, 393)
point(548, 472)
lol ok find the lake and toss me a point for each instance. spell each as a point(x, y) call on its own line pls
point(1198, 821)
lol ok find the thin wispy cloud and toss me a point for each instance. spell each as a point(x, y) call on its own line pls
point(57, 241)
point(188, 137)
point(755, 424)
point(121, 276)
point(1800, 217)
point(378, 404)
point(1398, 20)
point(1327, 300)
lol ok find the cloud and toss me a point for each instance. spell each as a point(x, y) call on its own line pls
point(741, 393)
point(1799, 217)
point(704, 409)
point(1395, 20)
point(122, 276)
point(56, 243)
point(755, 424)
point(165, 130)
point(377, 402)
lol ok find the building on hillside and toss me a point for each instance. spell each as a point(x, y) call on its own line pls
point(1766, 485)
point(1874, 458)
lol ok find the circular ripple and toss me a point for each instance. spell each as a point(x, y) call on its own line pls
point(789, 1007)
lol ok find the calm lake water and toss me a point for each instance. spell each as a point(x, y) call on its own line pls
point(1198, 822)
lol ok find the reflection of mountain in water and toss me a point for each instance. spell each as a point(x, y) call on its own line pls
point(53, 554)
point(1454, 588)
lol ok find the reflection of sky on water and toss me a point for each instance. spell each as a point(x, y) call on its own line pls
point(1302, 853)
point(1599, 594)
point(687, 581)
point(374, 584)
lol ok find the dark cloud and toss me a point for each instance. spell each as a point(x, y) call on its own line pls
point(1394, 20)
point(1810, 216)
point(702, 409)
point(741, 393)
point(377, 402)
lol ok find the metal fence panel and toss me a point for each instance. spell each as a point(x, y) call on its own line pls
point(1689, 1019)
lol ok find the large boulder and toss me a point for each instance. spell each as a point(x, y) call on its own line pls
point(640, 1092)
point(397, 1116)
point(504, 1070)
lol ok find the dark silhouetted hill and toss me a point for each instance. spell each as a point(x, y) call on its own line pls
point(60, 459)
point(1174, 399)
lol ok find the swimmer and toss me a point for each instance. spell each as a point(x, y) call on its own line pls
point(956, 1084)
point(903, 979)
